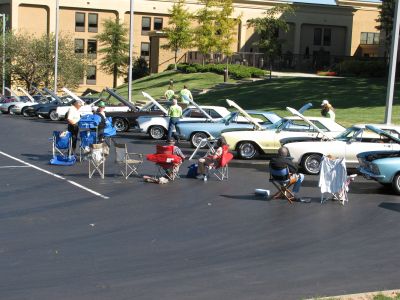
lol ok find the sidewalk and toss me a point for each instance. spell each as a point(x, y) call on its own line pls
point(298, 74)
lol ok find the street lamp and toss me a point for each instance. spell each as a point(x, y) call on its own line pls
point(130, 53)
point(56, 50)
point(4, 52)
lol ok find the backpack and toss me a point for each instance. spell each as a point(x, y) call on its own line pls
point(192, 171)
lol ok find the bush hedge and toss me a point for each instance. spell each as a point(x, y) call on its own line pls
point(235, 71)
point(362, 68)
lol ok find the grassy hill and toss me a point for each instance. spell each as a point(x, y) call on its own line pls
point(356, 100)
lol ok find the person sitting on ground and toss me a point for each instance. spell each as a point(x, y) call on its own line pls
point(283, 161)
point(169, 94)
point(101, 113)
point(210, 160)
point(327, 110)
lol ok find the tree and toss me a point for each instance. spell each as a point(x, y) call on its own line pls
point(140, 68)
point(30, 59)
point(268, 29)
point(206, 33)
point(385, 20)
point(115, 48)
point(179, 34)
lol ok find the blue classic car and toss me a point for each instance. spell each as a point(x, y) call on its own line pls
point(382, 166)
point(195, 131)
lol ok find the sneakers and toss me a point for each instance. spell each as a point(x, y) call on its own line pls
point(200, 176)
point(302, 200)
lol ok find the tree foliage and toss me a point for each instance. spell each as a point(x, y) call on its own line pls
point(385, 20)
point(30, 60)
point(115, 49)
point(179, 34)
point(268, 29)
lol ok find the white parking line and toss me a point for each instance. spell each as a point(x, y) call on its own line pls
point(55, 175)
point(10, 167)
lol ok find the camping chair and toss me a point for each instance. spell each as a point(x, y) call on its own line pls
point(87, 139)
point(126, 160)
point(220, 168)
point(97, 159)
point(333, 179)
point(281, 180)
point(62, 149)
point(167, 163)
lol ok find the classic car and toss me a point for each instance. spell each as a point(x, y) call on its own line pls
point(156, 126)
point(6, 107)
point(357, 138)
point(382, 166)
point(195, 131)
point(89, 108)
point(20, 108)
point(250, 143)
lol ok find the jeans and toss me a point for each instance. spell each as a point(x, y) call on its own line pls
point(297, 185)
point(171, 125)
point(74, 129)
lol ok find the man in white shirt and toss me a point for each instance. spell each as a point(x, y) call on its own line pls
point(73, 117)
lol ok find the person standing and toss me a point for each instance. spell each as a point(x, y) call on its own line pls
point(174, 114)
point(169, 94)
point(73, 117)
point(101, 113)
point(185, 92)
point(327, 110)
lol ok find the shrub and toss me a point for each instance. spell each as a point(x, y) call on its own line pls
point(362, 68)
point(140, 68)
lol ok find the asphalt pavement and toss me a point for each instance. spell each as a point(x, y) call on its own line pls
point(65, 236)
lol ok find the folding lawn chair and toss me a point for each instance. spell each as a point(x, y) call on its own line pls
point(220, 168)
point(126, 160)
point(97, 159)
point(62, 149)
point(281, 180)
point(87, 139)
point(333, 179)
point(167, 163)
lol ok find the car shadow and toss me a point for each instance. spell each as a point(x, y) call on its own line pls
point(390, 206)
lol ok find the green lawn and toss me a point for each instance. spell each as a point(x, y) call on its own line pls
point(356, 100)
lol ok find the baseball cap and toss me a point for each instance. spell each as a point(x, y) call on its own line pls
point(324, 102)
point(101, 104)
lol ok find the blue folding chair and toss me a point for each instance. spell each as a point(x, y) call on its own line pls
point(87, 139)
point(62, 149)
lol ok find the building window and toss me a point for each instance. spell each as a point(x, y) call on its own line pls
point(327, 36)
point(91, 75)
point(369, 38)
point(79, 46)
point(93, 22)
point(79, 22)
point(146, 23)
point(92, 48)
point(317, 36)
point(145, 50)
point(158, 23)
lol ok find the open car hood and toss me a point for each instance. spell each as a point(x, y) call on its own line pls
point(245, 114)
point(52, 94)
point(13, 94)
point(72, 95)
point(119, 98)
point(147, 96)
point(298, 114)
point(198, 107)
point(26, 94)
point(382, 132)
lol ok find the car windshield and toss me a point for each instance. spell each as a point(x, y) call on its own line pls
point(349, 133)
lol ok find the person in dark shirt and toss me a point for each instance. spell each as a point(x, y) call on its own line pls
point(100, 112)
point(281, 162)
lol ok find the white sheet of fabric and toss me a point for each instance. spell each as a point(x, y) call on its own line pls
point(333, 175)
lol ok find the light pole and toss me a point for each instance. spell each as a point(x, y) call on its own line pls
point(392, 67)
point(56, 50)
point(4, 53)
point(130, 53)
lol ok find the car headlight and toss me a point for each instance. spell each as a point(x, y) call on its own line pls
point(374, 168)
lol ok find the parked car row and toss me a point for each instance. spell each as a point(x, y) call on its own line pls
point(374, 148)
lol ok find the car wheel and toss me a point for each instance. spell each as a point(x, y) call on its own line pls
point(396, 184)
point(53, 115)
point(247, 150)
point(196, 139)
point(120, 124)
point(24, 112)
point(10, 108)
point(157, 132)
point(312, 163)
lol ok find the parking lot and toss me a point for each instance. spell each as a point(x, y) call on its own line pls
point(65, 236)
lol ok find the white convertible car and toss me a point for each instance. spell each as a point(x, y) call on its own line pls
point(250, 143)
point(348, 144)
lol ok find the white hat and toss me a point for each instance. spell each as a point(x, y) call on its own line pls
point(324, 102)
